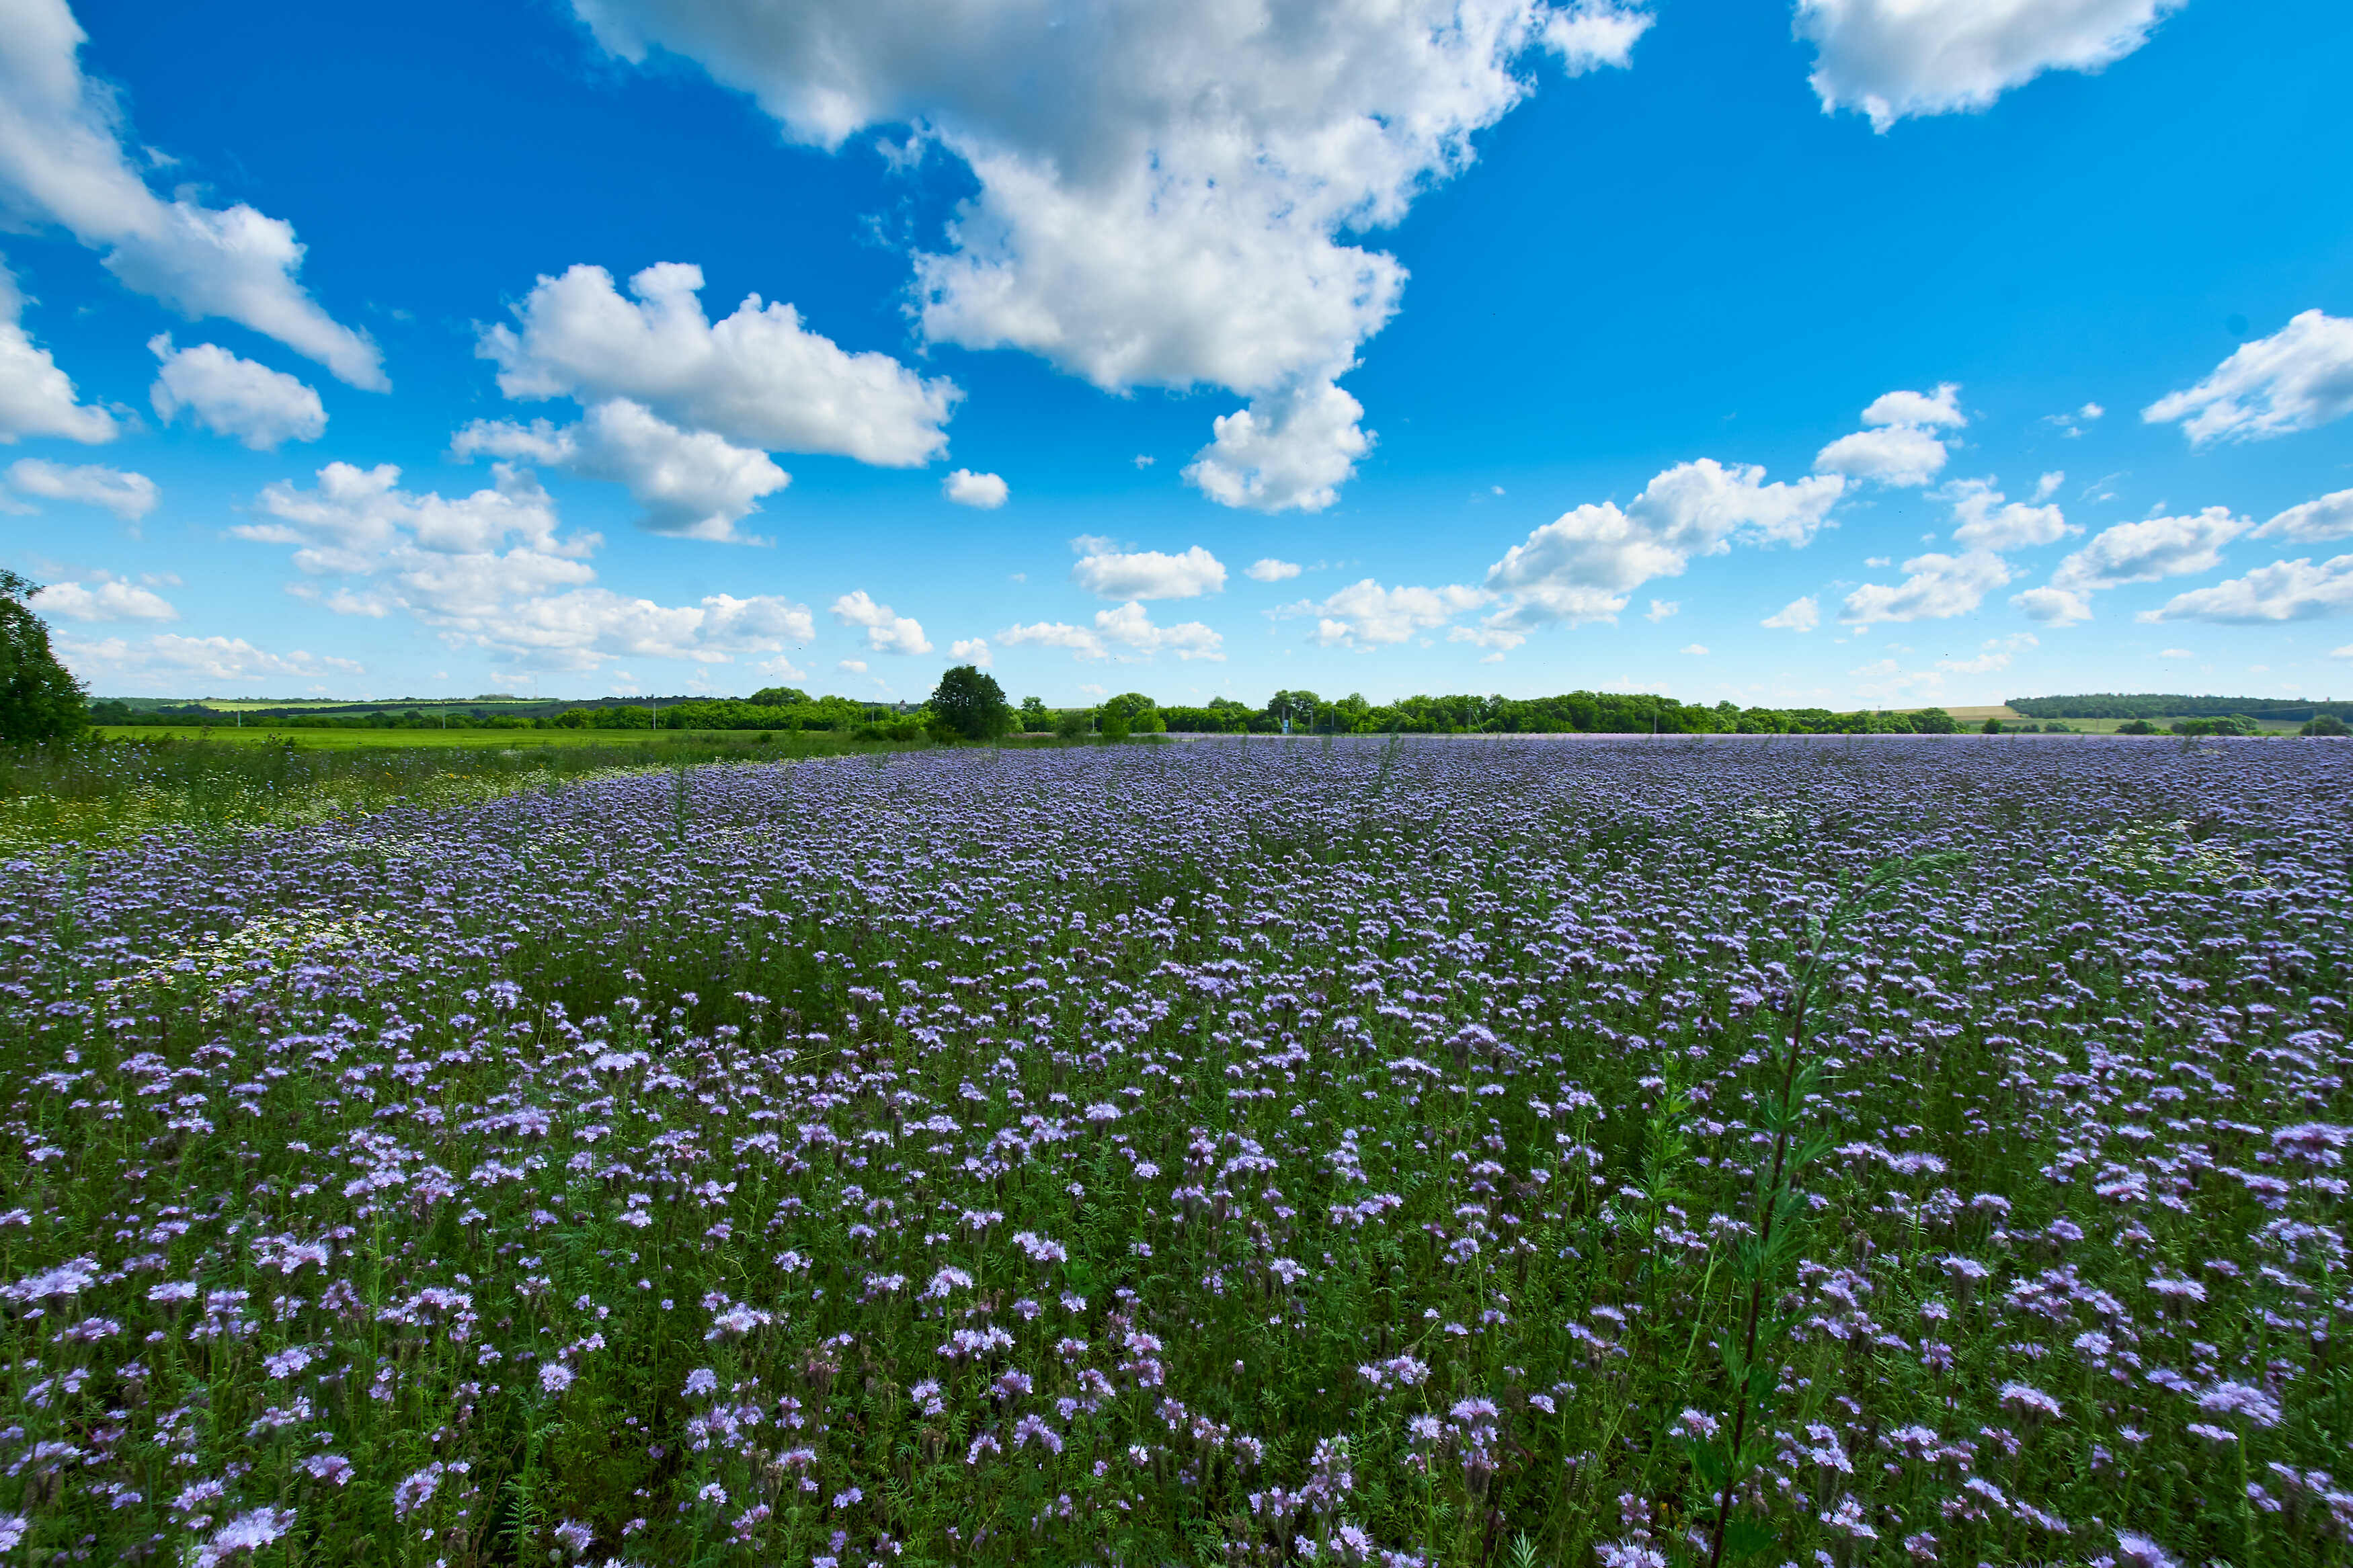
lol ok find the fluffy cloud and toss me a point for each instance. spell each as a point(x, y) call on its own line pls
point(234, 397)
point(1899, 454)
point(886, 632)
point(110, 599)
point(1935, 588)
point(1144, 573)
point(1896, 59)
point(2145, 551)
point(1698, 648)
point(1899, 446)
point(1126, 634)
point(62, 163)
point(971, 650)
point(1989, 523)
point(758, 378)
point(2283, 591)
point(1797, 616)
point(36, 398)
point(692, 483)
point(127, 495)
point(2053, 606)
point(2330, 517)
point(2299, 377)
point(1366, 614)
point(1291, 451)
point(1661, 609)
point(492, 571)
point(1589, 35)
point(1268, 570)
point(169, 656)
point(1162, 190)
point(986, 491)
point(1927, 410)
point(1583, 565)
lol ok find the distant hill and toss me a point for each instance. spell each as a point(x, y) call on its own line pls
point(2175, 705)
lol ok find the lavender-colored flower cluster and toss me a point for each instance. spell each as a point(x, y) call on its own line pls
point(1318, 1153)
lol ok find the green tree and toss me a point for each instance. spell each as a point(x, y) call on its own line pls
point(39, 698)
point(778, 697)
point(1140, 713)
point(1034, 715)
point(2323, 724)
point(970, 705)
point(1993, 727)
point(1298, 707)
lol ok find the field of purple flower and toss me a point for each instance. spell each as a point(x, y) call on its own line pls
point(1515, 1152)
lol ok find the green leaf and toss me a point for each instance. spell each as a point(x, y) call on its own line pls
point(1745, 1537)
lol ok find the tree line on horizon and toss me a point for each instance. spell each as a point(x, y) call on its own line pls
point(2176, 705)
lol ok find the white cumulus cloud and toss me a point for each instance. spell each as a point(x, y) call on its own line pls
point(127, 495)
point(2283, 591)
point(169, 656)
point(986, 491)
point(2330, 517)
point(1583, 565)
point(758, 377)
point(886, 631)
point(1366, 614)
point(1661, 609)
point(2053, 606)
point(1987, 522)
point(1113, 574)
point(36, 398)
point(2298, 378)
point(971, 650)
point(108, 599)
point(492, 570)
point(1797, 616)
point(1899, 445)
point(1291, 451)
point(1268, 570)
point(1166, 194)
point(1898, 58)
point(1927, 410)
point(692, 483)
point(62, 163)
point(2147, 551)
point(1935, 588)
point(1126, 634)
point(234, 397)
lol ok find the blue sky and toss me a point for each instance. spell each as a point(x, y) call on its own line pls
point(1861, 352)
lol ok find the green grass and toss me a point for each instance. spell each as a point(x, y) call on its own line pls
point(141, 780)
point(2110, 726)
point(396, 740)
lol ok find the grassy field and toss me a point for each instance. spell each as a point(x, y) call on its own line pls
point(256, 734)
point(2110, 726)
point(260, 704)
